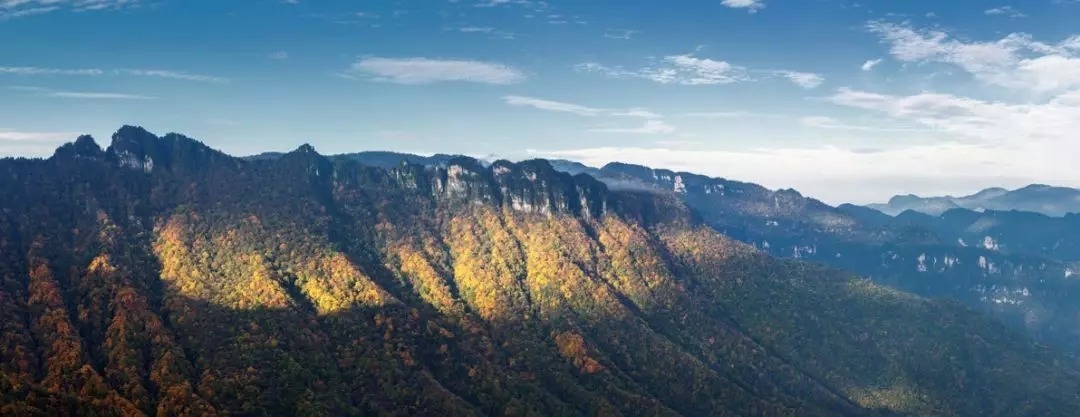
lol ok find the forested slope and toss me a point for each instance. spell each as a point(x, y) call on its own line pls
point(161, 277)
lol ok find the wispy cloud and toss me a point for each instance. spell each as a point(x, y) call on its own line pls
point(825, 122)
point(170, 74)
point(48, 92)
point(677, 69)
point(534, 4)
point(649, 127)
point(1016, 61)
point(1053, 122)
point(622, 34)
point(484, 30)
point(1007, 11)
point(577, 109)
point(805, 80)
point(751, 6)
point(733, 114)
point(11, 9)
point(474, 29)
point(688, 69)
point(101, 96)
point(652, 125)
point(558, 19)
point(22, 136)
point(49, 71)
point(279, 55)
point(31, 143)
point(426, 71)
point(173, 75)
point(31, 11)
point(870, 64)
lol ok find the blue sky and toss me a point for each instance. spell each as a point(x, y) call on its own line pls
point(842, 100)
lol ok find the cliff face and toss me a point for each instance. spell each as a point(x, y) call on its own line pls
point(161, 277)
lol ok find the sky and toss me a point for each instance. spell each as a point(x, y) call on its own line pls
point(845, 101)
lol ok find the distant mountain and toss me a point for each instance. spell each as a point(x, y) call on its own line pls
point(1019, 267)
point(1044, 199)
point(162, 277)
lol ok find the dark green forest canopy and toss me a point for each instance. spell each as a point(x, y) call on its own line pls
point(162, 277)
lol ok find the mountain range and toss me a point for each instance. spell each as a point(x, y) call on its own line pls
point(1020, 267)
point(1035, 198)
point(159, 276)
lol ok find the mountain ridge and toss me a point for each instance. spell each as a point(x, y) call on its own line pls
point(307, 285)
point(1039, 198)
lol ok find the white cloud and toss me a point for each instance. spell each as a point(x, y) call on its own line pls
point(490, 31)
point(426, 71)
point(835, 174)
point(27, 143)
point(279, 55)
point(825, 122)
point(475, 29)
point(102, 96)
point(1031, 140)
point(750, 5)
point(649, 127)
point(31, 11)
point(990, 143)
point(533, 4)
point(1051, 124)
point(1016, 61)
point(10, 9)
point(1036, 140)
point(677, 69)
point(174, 75)
point(552, 105)
point(805, 80)
point(1007, 11)
point(577, 109)
point(636, 113)
point(687, 69)
point(49, 71)
point(736, 114)
point(691, 70)
point(870, 64)
point(20, 136)
point(47, 92)
point(622, 34)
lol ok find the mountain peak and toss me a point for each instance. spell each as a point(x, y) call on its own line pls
point(137, 148)
point(133, 147)
point(129, 136)
point(992, 190)
point(903, 199)
point(1054, 201)
point(83, 147)
point(633, 170)
point(306, 148)
point(1034, 188)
